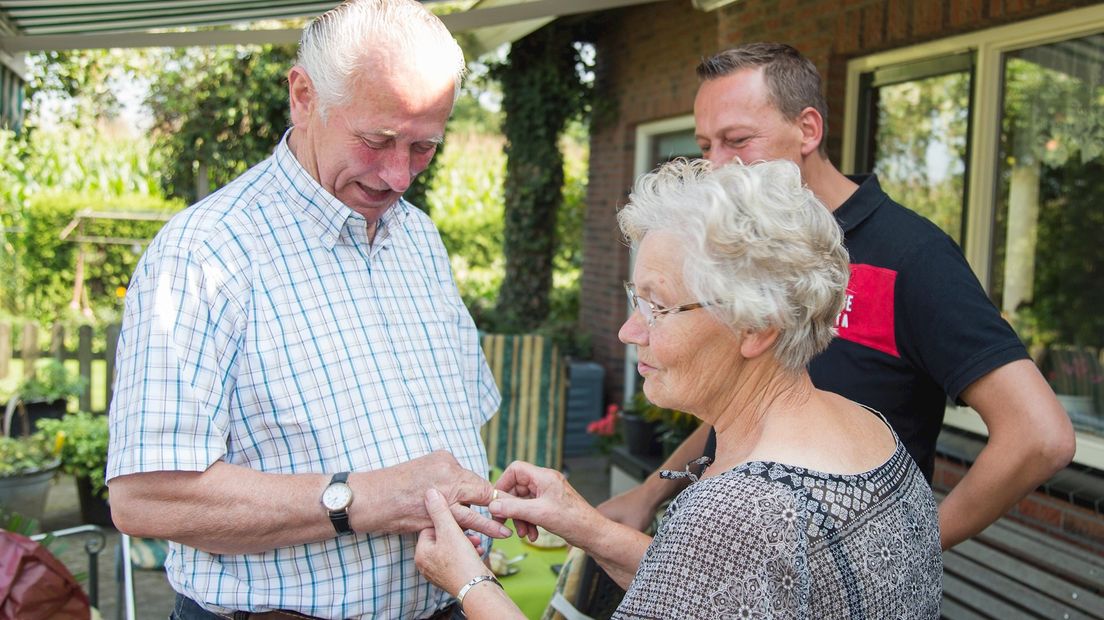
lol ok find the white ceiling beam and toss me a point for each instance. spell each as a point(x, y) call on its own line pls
point(168, 21)
point(149, 39)
point(39, 16)
point(41, 9)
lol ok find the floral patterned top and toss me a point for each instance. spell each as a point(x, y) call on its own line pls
point(767, 540)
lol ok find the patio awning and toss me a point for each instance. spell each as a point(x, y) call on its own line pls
point(38, 25)
point(35, 25)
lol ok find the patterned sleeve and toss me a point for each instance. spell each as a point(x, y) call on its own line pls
point(176, 360)
point(731, 547)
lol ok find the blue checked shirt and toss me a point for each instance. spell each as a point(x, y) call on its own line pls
point(261, 328)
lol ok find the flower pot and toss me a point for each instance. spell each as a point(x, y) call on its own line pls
point(26, 493)
point(38, 410)
point(93, 506)
point(640, 435)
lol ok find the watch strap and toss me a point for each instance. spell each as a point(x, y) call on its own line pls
point(340, 518)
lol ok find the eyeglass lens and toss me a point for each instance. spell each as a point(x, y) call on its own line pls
point(637, 302)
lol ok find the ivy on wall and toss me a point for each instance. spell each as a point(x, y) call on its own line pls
point(542, 90)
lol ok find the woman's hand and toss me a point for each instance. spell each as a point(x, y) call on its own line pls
point(445, 555)
point(535, 495)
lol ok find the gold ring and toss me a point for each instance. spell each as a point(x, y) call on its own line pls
point(494, 495)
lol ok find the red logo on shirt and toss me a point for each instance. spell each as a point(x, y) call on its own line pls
point(867, 316)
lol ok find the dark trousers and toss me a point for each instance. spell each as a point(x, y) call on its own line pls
point(187, 609)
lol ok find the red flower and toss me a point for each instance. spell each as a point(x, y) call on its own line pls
point(607, 426)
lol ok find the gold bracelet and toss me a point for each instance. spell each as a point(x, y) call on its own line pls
point(468, 586)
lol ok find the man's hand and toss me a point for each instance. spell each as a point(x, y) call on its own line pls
point(392, 500)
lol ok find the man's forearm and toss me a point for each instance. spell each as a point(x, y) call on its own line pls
point(637, 506)
point(999, 478)
point(1030, 438)
point(225, 509)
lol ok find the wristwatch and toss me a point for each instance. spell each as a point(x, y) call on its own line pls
point(336, 500)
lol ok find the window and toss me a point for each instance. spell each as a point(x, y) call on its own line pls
point(1047, 254)
point(915, 124)
point(998, 137)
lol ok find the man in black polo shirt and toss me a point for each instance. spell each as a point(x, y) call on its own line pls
point(917, 327)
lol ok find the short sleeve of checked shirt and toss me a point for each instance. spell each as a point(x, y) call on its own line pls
point(177, 356)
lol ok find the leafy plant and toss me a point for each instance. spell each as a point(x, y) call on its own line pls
point(543, 88)
point(20, 524)
point(51, 381)
point(217, 111)
point(674, 426)
point(26, 455)
point(83, 445)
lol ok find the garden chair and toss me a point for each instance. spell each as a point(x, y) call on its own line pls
point(94, 541)
point(143, 553)
point(532, 378)
point(583, 591)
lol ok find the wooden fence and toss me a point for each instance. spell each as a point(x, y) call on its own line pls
point(29, 350)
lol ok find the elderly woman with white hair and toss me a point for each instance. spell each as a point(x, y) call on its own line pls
point(812, 508)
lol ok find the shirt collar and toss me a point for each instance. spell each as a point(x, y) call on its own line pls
point(862, 204)
point(331, 217)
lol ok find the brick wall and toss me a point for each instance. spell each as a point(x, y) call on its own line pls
point(645, 72)
point(1074, 517)
point(646, 59)
point(831, 32)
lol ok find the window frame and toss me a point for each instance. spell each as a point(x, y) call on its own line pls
point(988, 48)
point(646, 136)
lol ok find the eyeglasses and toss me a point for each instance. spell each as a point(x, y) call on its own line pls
point(651, 311)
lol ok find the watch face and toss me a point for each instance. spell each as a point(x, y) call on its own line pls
point(337, 496)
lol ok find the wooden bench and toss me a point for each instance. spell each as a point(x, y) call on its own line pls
point(1010, 571)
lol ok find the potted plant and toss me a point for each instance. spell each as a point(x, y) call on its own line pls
point(84, 456)
point(27, 464)
point(45, 393)
point(671, 427)
point(640, 427)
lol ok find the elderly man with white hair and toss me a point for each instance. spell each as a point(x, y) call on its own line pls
point(296, 367)
point(813, 507)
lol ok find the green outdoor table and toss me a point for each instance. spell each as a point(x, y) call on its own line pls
point(532, 585)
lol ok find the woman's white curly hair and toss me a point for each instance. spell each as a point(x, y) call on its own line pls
point(756, 240)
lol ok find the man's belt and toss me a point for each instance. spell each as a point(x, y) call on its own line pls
point(195, 610)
